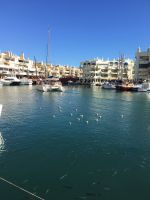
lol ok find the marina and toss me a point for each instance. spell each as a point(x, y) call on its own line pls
point(94, 150)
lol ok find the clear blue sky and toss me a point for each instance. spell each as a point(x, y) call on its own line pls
point(80, 29)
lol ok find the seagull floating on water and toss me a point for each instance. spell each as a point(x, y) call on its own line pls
point(70, 123)
point(81, 116)
point(87, 122)
point(54, 116)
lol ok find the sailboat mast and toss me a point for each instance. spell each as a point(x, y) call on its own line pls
point(48, 53)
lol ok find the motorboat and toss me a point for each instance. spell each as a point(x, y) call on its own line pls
point(49, 85)
point(108, 85)
point(10, 80)
point(26, 81)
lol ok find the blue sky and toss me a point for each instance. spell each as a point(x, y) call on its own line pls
point(80, 29)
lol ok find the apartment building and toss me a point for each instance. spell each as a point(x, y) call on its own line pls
point(11, 64)
point(98, 70)
point(142, 64)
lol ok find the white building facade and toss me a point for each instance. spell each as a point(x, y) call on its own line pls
point(97, 70)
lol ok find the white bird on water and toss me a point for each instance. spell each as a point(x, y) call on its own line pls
point(70, 123)
point(81, 116)
point(96, 120)
point(71, 114)
point(87, 122)
point(54, 116)
point(78, 118)
point(100, 116)
point(122, 116)
point(76, 109)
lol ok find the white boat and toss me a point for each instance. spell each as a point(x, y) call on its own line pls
point(26, 81)
point(145, 87)
point(49, 85)
point(10, 80)
point(108, 85)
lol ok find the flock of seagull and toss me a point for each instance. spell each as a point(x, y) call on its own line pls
point(81, 116)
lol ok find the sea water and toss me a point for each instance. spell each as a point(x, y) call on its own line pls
point(83, 143)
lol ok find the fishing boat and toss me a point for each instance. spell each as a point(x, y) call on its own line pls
point(50, 85)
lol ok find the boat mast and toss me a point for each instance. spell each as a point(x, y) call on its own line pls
point(48, 53)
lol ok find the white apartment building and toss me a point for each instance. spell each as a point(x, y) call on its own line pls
point(11, 64)
point(142, 64)
point(98, 70)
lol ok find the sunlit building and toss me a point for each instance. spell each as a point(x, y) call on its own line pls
point(142, 64)
point(98, 70)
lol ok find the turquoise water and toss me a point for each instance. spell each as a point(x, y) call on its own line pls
point(59, 157)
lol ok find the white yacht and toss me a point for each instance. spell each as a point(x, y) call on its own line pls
point(26, 81)
point(49, 85)
point(10, 80)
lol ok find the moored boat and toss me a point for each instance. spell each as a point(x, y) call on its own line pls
point(26, 81)
point(108, 85)
point(49, 85)
point(10, 80)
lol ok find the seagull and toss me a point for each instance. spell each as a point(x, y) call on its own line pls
point(70, 123)
point(81, 116)
point(53, 116)
point(78, 118)
point(87, 122)
point(100, 116)
point(96, 120)
point(71, 114)
point(96, 114)
point(76, 109)
point(121, 116)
